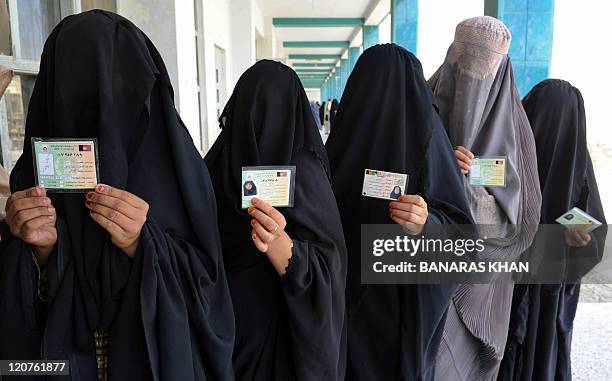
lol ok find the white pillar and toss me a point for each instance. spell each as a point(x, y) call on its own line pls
point(171, 27)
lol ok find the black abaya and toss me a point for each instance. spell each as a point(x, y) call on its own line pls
point(539, 338)
point(289, 328)
point(387, 121)
point(167, 311)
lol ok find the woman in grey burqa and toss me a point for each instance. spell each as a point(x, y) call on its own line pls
point(125, 282)
point(541, 324)
point(483, 116)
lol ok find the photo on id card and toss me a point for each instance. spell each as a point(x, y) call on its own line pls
point(273, 184)
point(384, 185)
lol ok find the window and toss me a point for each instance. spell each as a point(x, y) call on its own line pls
point(5, 29)
point(13, 111)
point(24, 28)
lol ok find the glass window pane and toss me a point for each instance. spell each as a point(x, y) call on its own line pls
point(16, 99)
point(37, 18)
point(5, 29)
point(107, 5)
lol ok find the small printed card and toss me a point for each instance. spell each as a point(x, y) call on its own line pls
point(488, 171)
point(384, 185)
point(66, 165)
point(578, 219)
point(272, 184)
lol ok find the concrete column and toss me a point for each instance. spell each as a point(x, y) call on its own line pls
point(344, 73)
point(171, 27)
point(370, 36)
point(405, 23)
point(354, 53)
point(531, 25)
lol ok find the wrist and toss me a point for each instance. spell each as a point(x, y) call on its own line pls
point(42, 254)
point(280, 252)
point(130, 250)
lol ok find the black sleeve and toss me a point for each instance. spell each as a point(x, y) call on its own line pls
point(315, 279)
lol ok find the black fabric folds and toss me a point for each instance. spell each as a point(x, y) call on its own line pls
point(387, 120)
point(167, 311)
point(289, 328)
point(539, 338)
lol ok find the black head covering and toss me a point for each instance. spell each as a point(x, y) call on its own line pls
point(101, 77)
point(395, 81)
point(556, 113)
point(289, 328)
point(387, 121)
point(539, 338)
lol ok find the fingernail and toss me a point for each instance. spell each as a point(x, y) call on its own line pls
point(50, 217)
point(250, 210)
point(50, 210)
point(46, 201)
point(254, 201)
point(100, 188)
point(254, 236)
point(253, 222)
point(90, 196)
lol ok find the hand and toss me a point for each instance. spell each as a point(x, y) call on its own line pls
point(31, 217)
point(120, 213)
point(409, 211)
point(464, 158)
point(269, 234)
point(577, 237)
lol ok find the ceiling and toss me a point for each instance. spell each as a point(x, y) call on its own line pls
point(288, 17)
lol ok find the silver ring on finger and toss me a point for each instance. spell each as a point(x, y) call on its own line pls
point(276, 228)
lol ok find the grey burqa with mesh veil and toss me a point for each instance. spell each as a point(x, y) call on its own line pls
point(166, 313)
point(481, 110)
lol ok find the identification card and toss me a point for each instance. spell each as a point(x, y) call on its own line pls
point(384, 185)
point(66, 165)
point(579, 219)
point(272, 184)
point(488, 171)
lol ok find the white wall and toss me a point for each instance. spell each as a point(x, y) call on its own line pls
point(437, 22)
point(580, 56)
point(217, 31)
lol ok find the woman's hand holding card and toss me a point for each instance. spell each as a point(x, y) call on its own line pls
point(409, 211)
point(31, 217)
point(268, 234)
point(120, 213)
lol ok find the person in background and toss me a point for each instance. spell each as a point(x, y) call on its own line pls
point(5, 192)
point(286, 266)
point(387, 121)
point(6, 76)
point(127, 281)
point(322, 113)
point(483, 116)
point(540, 333)
point(315, 114)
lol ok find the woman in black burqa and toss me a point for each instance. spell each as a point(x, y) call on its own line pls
point(288, 302)
point(540, 332)
point(159, 309)
point(393, 330)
